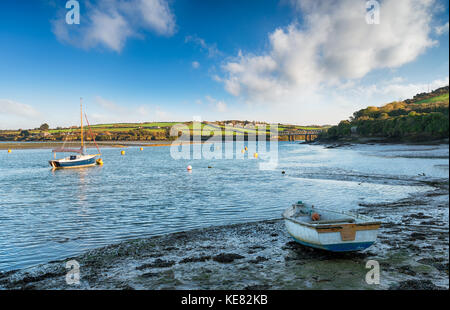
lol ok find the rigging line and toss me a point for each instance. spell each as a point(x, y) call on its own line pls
point(66, 136)
point(92, 135)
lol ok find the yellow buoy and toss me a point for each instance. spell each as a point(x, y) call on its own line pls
point(255, 155)
point(122, 153)
point(246, 148)
point(243, 151)
point(141, 148)
point(99, 162)
point(9, 151)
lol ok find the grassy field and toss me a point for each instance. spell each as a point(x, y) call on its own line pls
point(441, 98)
point(157, 131)
point(163, 126)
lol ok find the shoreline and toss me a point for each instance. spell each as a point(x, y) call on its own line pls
point(364, 140)
point(6, 145)
point(413, 254)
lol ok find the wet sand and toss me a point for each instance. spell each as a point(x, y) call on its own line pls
point(412, 250)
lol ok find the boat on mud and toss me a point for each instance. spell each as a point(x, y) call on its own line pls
point(330, 230)
point(81, 160)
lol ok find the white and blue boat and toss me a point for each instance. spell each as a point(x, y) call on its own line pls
point(330, 230)
point(74, 161)
point(81, 159)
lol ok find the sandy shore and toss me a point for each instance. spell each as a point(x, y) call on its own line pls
point(412, 250)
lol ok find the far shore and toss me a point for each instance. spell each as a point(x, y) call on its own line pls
point(376, 140)
point(6, 145)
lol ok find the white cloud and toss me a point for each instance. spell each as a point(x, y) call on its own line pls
point(157, 15)
point(109, 105)
point(383, 92)
point(219, 105)
point(111, 30)
point(14, 108)
point(399, 90)
point(331, 105)
point(333, 47)
point(195, 64)
point(440, 30)
point(15, 114)
point(210, 49)
point(107, 111)
point(109, 23)
point(161, 115)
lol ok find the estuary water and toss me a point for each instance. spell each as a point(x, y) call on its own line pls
point(47, 215)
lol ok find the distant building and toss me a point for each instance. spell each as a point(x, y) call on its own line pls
point(354, 130)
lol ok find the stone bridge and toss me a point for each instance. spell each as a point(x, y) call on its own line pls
point(301, 134)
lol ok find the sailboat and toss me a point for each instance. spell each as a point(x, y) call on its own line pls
point(81, 159)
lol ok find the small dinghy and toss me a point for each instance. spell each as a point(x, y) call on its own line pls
point(330, 230)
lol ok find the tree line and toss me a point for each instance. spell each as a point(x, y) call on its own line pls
point(405, 119)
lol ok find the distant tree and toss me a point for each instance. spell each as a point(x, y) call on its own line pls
point(24, 133)
point(383, 116)
point(44, 127)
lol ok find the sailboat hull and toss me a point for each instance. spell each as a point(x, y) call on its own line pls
point(78, 162)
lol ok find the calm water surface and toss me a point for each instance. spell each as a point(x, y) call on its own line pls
point(47, 215)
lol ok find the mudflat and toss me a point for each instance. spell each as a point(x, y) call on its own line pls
point(412, 254)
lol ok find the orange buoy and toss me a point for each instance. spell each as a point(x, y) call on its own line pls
point(9, 151)
point(315, 216)
point(141, 148)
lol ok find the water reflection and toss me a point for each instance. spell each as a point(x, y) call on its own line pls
point(47, 215)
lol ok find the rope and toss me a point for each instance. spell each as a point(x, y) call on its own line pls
point(65, 139)
point(93, 137)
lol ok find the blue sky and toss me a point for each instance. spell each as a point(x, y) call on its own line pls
point(291, 61)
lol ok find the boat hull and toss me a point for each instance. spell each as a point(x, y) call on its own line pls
point(89, 161)
point(330, 241)
point(336, 247)
point(355, 235)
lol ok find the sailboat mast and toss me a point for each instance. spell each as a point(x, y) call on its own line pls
point(81, 114)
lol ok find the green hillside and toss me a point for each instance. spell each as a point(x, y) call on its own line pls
point(424, 117)
point(158, 131)
point(440, 98)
